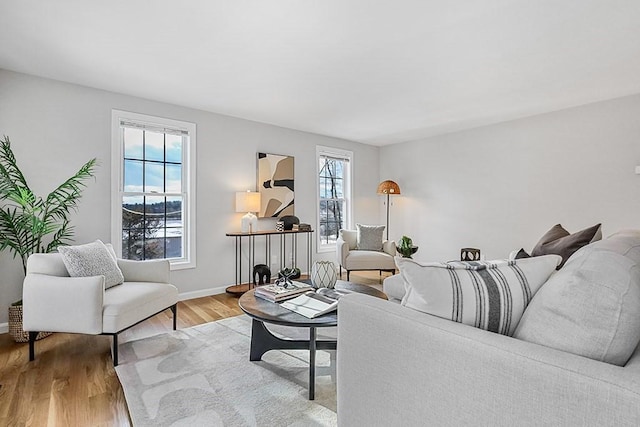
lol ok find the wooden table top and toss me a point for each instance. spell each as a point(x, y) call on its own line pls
point(271, 312)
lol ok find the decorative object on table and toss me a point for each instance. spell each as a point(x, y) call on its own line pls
point(275, 184)
point(289, 221)
point(289, 273)
point(388, 188)
point(281, 290)
point(280, 226)
point(22, 210)
point(261, 274)
point(301, 227)
point(249, 202)
point(324, 274)
point(406, 247)
point(469, 254)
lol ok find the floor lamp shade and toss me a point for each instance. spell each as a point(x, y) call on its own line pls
point(249, 202)
point(388, 188)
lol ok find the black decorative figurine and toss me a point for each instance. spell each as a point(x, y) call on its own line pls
point(261, 274)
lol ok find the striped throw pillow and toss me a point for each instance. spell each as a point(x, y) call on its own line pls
point(489, 295)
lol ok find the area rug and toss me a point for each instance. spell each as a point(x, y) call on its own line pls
point(202, 376)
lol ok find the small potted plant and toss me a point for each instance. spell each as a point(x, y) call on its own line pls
point(406, 247)
point(33, 224)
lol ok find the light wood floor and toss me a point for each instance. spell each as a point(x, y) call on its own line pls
point(72, 381)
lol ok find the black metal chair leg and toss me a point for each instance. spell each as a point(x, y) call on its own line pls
point(115, 349)
point(174, 310)
point(32, 345)
point(347, 275)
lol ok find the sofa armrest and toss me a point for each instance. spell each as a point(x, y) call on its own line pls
point(157, 270)
point(436, 372)
point(63, 304)
point(389, 246)
point(342, 251)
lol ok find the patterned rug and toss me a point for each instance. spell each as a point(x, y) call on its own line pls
point(202, 376)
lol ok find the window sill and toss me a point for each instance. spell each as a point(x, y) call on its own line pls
point(181, 265)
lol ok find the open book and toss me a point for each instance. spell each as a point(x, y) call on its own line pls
point(315, 303)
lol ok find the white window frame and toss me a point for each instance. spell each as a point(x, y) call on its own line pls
point(348, 188)
point(188, 176)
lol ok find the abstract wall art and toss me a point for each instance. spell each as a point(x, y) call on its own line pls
point(275, 184)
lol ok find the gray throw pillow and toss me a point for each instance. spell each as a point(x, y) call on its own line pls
point(92, 259)
point(370, 237)
point(559, 241)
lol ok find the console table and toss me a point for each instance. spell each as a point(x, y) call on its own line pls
point(282, 236)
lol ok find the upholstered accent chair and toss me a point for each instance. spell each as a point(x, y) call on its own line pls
point(55, 302)
point(353, 259)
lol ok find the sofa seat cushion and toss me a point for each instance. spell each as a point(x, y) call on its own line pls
point(370, 260)
point(487, 295)
point(592, 306)
point(131, 302)
point(393, 287)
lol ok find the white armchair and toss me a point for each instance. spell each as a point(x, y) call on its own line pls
point(352, 259)
point(55, 302)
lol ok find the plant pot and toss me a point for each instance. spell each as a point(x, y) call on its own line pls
point(15, 326)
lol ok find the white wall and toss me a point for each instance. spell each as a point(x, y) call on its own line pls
point(500, 187)
point(55, 127)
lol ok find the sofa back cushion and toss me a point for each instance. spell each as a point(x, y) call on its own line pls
point(488, 295)
point(350, 237)
point(50, 264)
point(592, 306)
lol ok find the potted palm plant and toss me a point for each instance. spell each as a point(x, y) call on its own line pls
point(33, 224)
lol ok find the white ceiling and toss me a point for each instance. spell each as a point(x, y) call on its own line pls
point(377, 72)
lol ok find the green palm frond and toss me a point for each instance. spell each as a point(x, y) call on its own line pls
point(31, 224)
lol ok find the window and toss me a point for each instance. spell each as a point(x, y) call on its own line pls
point(153, 207)
point(334, 195)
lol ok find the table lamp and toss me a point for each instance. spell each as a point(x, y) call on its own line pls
point(249, 202)
point(388, 187)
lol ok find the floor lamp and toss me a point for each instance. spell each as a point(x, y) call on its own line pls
point(388, 187)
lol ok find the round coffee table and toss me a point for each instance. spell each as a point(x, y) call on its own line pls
point(262, 340)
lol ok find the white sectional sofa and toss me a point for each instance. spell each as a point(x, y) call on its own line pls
point(402, 367)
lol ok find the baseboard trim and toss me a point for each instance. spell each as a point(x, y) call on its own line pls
point(4, 328)
point(202, 293)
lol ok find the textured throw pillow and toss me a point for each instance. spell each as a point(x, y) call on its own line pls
point(92, 259)
point(560, 242)
point(490, 295)
point(592, 306)
point(370, 237)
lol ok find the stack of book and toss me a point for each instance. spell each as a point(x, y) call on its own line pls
point(301, 227)
point(277, 293)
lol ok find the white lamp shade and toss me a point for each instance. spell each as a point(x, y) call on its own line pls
point(247, 201)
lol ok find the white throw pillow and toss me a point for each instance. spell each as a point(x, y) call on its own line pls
point(489, 295)
point(370, 237)
point(92, 259)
